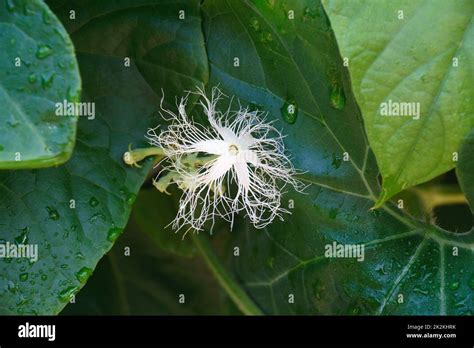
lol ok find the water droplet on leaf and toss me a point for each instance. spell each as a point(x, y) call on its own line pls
point(46, 82)
point(131, 198)
point(46, 17)
point(68, 293)
point(337, 97)
point(44, 51)
point(32, 78)
point(454, 286)
point(336, 161)
point(93, 202)
point(254, 24)
point(53, 213)
point(83, 274)
point(113, 234)
point(266, 37)
point(289, 111)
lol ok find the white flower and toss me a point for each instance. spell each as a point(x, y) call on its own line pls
point(236, 164)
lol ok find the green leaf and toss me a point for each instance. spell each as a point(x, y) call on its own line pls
point(296, 61)
point(148, 281)
point(420, 55)
point(39, 70)
point(465, 168)
point(149, 202)
point(35, 205)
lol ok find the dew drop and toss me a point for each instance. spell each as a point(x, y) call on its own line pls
point(254, 24)
point(289, 111)
point(113, 234)
point(83, 274)
point(454, 286)
point(68, 293)
point(32, 78)
point(336, 161)
point(266, 37)
point(96, 217)
point(46, 17)
point(47, 82)
point(73, 95)
point(93, 202)
point(44, 51)
point(1, 148)
point(44, 277)
point(12, 287)
point(21, 301)
point(131, 198)
point(23, 277)
point(270, 261)
point(53, 213)
point(337, 97)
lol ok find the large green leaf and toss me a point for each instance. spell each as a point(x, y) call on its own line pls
point(138, 278)
point(35, 205)
point(38, 71)
point(423, 54)
point(296, 60)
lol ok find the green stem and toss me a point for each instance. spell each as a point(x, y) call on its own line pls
point(435, 196)
point(235, 292)
point(132, 157)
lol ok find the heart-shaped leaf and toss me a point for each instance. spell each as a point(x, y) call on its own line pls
point(39, 75)
point(137, 277)
point(411, 72)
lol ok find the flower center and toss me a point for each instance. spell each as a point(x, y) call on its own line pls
point(233, 149)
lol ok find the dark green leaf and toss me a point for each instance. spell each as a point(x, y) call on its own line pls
point(39, 70)
point(137, 278)
point(283, 61)
point(153, 212)
point(35, 205)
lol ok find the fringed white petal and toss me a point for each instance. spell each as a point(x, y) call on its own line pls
point(249, 155)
